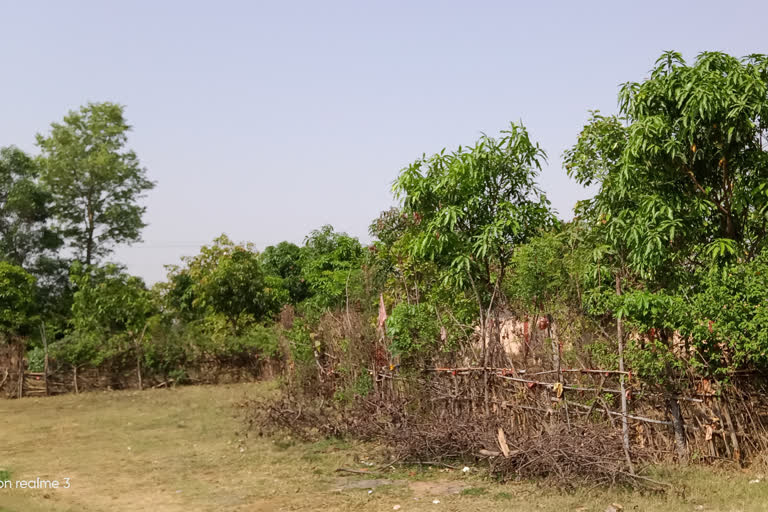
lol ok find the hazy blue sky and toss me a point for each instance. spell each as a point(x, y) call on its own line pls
point(266, 120)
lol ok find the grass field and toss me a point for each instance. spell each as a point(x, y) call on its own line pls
point(184, 450)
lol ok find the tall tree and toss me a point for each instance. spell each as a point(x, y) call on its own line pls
point(94, 180)
point(25, 236)
point(474, 207)
point(614, 225)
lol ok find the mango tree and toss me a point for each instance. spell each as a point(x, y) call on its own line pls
point(683, 178)
point(474, 206)
point(696, 159)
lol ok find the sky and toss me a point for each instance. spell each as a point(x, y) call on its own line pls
point(266, 120)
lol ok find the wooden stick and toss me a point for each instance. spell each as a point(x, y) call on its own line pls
point(597, 395)
point(628, 416)
point(549, 384)
point(729, 423)
point(514, 370)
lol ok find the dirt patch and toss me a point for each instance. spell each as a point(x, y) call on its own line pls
point(437, 488)
point(343, 484)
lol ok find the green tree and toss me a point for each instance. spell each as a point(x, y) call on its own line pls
point(17, 299)
point(390, 261)
point(110, 315)
point(239, 289)
point(109, 300)
point(95, 182)
point(474, 206)
point(183, 294)
point(614, 229)
point(225, 287)
point(727, 320)
point(683, 178)
point(331, 267)
point(180, 294)
point(428, 314)
point(284, 260)
point(546, 272)
point(25, 237)
point(696, 158)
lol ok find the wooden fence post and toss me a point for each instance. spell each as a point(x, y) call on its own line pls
point(45, 366)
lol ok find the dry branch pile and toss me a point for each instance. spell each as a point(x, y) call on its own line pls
point(564, 457)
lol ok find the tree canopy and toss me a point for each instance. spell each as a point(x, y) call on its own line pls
point(25, 235)
point(17, 299)
point(95, 182)
point(475, 205)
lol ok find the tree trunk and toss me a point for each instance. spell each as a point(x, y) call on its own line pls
point(557, 365)
point(139, 354)
point(555, 349)
point(75, 379)
point(138, 367)
point(484, 338)
point(20, 386)
point(89, 242)
point(484, 334)
point(622, 387)
point(45, 366)
point(679, 428)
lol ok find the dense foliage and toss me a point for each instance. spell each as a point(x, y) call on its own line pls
point(672, 246)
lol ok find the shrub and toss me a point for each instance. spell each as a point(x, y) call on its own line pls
point(414, 329)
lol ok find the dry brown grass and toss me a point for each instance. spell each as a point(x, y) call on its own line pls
point(190, 439)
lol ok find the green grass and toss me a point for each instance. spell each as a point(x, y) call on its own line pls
point(184, 450)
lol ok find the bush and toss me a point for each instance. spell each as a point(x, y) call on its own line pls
point(730, 327)
point(414, 329)
point(36, 360)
